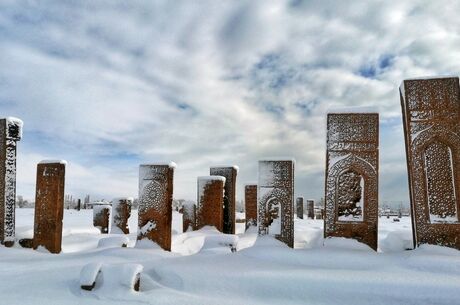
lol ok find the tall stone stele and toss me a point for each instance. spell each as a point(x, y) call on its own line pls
point(121, 211)
point(229, 172)
point(250, 204)
point(275, 199)
point(352, 160)
point(431, 119)
point(49, 205)
point(155, 203)
point(10, 133)
point(299, 207)
point(311, 209)
point(210, 202)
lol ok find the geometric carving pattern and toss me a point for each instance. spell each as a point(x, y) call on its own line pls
point(431, 117)
point(275, 199)
point(229, 172)
point(250, 202)
point(351, 207)
point(210, 201)
point(155, 203)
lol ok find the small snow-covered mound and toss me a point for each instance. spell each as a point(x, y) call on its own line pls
point(206, 239)
point(345, 244)
point(113, 242)
point(88, 275)
point(396, 241)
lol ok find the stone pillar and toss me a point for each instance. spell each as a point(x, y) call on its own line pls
point(101, 216)
point(275, 197)
point(121, 211)
point(229, 217)
point(311, 209)
point(188, 216)
point(250, 202)
point(431, 119)
point(10, 133)
point(210, 202)
point(49, 205)
point(299, 207)
point(351, 208)
point(155, 203)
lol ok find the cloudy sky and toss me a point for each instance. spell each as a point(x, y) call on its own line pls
point(108, 85)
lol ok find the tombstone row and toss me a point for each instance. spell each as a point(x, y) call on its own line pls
point(431, 120)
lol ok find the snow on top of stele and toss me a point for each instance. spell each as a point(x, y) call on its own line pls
point(169, 164)
point(53, 162)
point(211, 178)
point(235, 167)
point(402, 87)
point(18, 122)
point(118, 199)
point(268, 159)
point(352, 109)
point(249, 183)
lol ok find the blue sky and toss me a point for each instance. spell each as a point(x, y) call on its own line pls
point(108, 85)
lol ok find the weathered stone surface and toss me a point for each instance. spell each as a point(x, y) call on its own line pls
point(299, 207)
point(311, 209)
point(101, 217)
point(49, 205)
point(188, 216)
point(210, 201)
point(250, 202)
point(275, 197)
point(352, 177)
point(10, 133)
point(121, 211)
point(155, 203)
point(230, 173)
point(431, 118)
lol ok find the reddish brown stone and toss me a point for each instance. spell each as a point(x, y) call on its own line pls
point(10, 133)
point(155, 203)
point(188, 216)
point(311, 209)
point(431, 119)
point(229, 216)
point(209, 210)
point(121, 211)
point(101, 217)
point(250, 202)
point(275, 197)
point(299, 207)
point(49, 205)
point(352, 177)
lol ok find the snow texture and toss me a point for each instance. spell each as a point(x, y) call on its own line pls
point(235, 167)
point(53, 161)
point(113, 242)
point(89, 273)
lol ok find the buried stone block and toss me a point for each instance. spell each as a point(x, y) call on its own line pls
point(351, 208)
point(188, 216)
point(431, 119)
point(230, 173)
point(49, 205)
point(121, 211)
point(210, 202)
point(275, 199)
point(155, 203)
point(10, 133)
point(101, 217)
point(116, 276)
point(250, 204)
point(311, 209)
point(299, 207)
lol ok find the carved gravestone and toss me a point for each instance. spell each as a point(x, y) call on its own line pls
point(250, 202)
point(431, 117)
point(101, 217)
point(351, 208)
point(275, 197)
point(49, 205)
point(155, 203)
point(299, 207)
point(121, 211)
point(188, 216)
point(10, 133)
point(229, 172)
point(209, 210)
point(311, 209)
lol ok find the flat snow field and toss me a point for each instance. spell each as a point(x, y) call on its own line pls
point(201, 269)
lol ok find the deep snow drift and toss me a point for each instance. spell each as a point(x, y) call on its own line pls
point(203, 270)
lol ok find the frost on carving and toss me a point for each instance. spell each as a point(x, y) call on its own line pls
point(10, 133)
point(155, 204)
point(275, 199)
point(352, 177)
point(431, 117)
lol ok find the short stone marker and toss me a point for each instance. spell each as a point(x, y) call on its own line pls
point(229, 216)
point(275, 197)
point(121, 211)
point(101, 216)
point(352, 177)
point(49, 205)
point(250, 204)
point(431, 119)
point(210, 202)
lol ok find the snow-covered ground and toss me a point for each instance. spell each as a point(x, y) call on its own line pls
point(203, 270)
